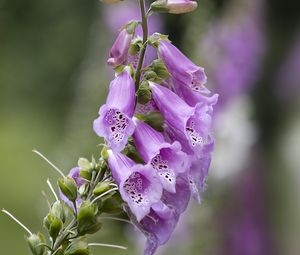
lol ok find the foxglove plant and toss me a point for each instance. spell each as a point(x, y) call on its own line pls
point(156, 125)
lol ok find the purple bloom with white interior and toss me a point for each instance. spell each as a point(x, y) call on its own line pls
point(166, 159)
point(191, 126)
point(75, 175)
point(181, 68)
point(115, 123)
point(157, 226)
point(118, 54)
point(138, 184)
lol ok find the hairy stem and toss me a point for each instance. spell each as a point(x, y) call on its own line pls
point(143, 50)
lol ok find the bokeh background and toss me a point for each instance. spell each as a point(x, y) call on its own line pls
point(53, 78)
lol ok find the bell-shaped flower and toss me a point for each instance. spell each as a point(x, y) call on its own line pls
point(181, 68)
point(174, 6)
point(139, 186)
point(192, 97)
point(157, 226)
point(178, 201)
point(75, 175)
point(118, 54)
point(197, 174)
point(191, 126)
point(115, 123)
point(166, 159)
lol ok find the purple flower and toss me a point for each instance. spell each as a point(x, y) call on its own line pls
point(197, 174)
point(178, 201)
point(139, 186)
point(174, 6)
point(75, 175)
point(118, 54)
point(166, 159)
point(193, 97)
point(181, 68)
point(157, 226)
point(191, 126)
point(115, 123)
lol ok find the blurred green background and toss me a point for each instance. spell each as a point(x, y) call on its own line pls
point(53, 78)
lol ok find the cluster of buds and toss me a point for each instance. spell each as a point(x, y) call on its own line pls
point(156, 124)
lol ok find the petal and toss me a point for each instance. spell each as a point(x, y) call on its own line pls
point(115, 126)
point(121, 94)
point(178, 201)
point(147, 140)
point(141, 190)
point(173, 108)
point(193, 97)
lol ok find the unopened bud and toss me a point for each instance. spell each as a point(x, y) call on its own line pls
point(78, 246)
point(155, 120)
point(101, 187)
point(87, 219)
point(174, 6)
point(68, 187)
point(144, 93)
point(160, 69)
point(113, 205)
point(84, 163)
point(58, 210)
point(35, 242)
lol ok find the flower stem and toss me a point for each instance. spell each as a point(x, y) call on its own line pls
point(143, 50)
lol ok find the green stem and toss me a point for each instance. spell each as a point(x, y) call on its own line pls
point(143, 50)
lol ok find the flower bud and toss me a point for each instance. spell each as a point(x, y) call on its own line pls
point(58, 210)
point(174, 6)
point(101, 187)
point(104, 154)
point(77, 246)
point(113, 205)
point(119, 52)
point(84, 163)
point(53, 224)
point(160, 69)
point(35, 242)
point(68, 187)
point(87, 219)
point(155, 120)
point(144, 93)
point(111, 1)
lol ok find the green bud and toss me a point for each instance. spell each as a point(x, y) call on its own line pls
point(84, 163)
point(83, 189)
point(160, 69)
point(113, 205)
point(155, 38)
point(101, 187)
point(131, 152)
point(155, 120)
point(58, 210)
point(87, 219)
point(68, 187)
point(86, 174)
point(35, 242)
point(78, 246)
point(135, 46)
point(53, 224)
point(144, 94)
point(150, 75)
point(131, 26)
point(55, 227)
point(104, 153)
